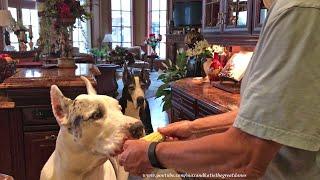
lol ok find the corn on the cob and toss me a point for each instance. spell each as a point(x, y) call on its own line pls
point(154, 137)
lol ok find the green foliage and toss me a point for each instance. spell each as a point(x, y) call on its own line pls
point(102, 53)
point(171, 73)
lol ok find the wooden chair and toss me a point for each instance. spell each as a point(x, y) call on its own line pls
point(106, 82)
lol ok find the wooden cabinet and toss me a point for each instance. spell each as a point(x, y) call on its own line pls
point(237, 16)
point(28, 129)
point(227, 16)
point(183, 105)
point(38, 148)
point(235, 22)
point(29, 132)
point(211, 16)
point(192, 100)
point(260, 13)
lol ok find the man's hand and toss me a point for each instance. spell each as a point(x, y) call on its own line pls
point(178, 131)
point(134, 158)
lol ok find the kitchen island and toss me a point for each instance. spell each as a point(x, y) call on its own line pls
point(28, 129)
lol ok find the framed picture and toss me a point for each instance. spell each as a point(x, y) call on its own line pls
point(236, 66)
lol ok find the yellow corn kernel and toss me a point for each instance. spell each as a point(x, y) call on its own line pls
point(154, 137)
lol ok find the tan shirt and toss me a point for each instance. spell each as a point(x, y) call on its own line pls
point(281, 89)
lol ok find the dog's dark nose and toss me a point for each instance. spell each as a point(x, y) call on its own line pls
point(140, 100)
point(137, 130)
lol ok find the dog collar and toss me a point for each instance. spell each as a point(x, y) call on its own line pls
point(153, 157)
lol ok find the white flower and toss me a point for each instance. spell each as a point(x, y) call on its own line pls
point(218, 49)
point(202, 46)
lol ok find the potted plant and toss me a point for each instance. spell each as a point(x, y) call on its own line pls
point(120, 55)
point(197, 56)
point(171, 73)
point(61, 15)
point(100, 53)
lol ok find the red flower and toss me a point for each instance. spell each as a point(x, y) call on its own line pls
point(152, 35)
point(64, 10)
point(216, 64)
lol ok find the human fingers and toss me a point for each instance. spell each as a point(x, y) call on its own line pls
point(168, 130)
point(123, 157)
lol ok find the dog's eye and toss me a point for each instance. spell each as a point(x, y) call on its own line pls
point(96, 115)
point(131, 88)
point(143, 86)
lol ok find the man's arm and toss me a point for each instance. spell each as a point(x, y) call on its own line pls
point(230, 152)
point(213, 124)
point(200, 127)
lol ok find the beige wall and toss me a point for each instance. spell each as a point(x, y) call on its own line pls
point(140, 21)
point(101, 21)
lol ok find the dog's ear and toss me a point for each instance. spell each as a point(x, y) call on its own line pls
point(145, 76)
point(60, 105)
point(126, 76)
point(90, 89)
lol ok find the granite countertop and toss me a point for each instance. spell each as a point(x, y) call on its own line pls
point(41, 78)
point(205, 92)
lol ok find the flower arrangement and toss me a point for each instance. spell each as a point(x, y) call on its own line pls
point(153, 41)
point(58, 17)
point(200, 49)
point(204, 49)
point(201, 56)
point(61, 9)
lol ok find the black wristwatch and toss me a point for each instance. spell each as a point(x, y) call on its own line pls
point(153, 157)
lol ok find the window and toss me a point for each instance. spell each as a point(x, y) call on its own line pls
point(81, 35)
point(13, 37)
point(24, 11)
point(158, 23)
point(121, 23)
point(29, 16)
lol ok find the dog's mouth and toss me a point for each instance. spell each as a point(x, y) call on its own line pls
point(140, 102)
point(134, 131)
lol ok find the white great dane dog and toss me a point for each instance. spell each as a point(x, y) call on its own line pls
point(92, 132)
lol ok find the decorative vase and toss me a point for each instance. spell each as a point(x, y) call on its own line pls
point(206, 66)
point(194, 67)
point(65, 62)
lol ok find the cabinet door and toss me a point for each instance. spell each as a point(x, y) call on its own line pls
point(259, 15)
point(237, 16)
point(5, 152)
point(212, 15)
point(38, 148)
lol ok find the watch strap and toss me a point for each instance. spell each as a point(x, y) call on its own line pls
point(153, 157)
